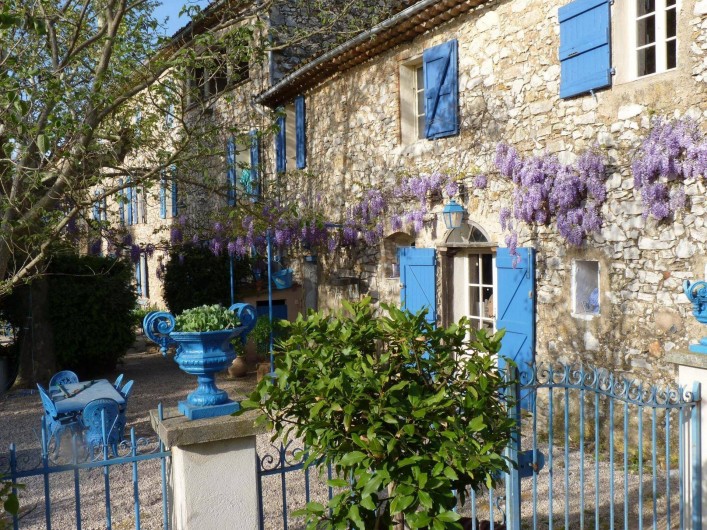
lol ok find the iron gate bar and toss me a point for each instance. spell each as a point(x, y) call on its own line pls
point(695, 429)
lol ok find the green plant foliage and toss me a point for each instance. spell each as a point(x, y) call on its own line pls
point(10, 502)
point(206, 318)
point(407, 413)
point(90, 304)
point(195, 276)
point(261, 333)
point(140, 312)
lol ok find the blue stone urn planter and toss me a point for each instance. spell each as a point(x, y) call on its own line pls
point(697, 294)
point(202, 354)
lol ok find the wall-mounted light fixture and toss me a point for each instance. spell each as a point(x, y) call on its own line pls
point(453, 214)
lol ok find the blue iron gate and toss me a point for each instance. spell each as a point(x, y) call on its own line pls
point(594, 450)
point(604, 452)
point(52, 479)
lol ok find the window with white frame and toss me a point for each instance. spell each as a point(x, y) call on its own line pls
point(412, 101)
point(655, 36)
point(474, 292)
point(419, 89)
point(585, 287)
point(481, 310)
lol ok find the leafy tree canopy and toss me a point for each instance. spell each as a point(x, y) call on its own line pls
point(90, 97)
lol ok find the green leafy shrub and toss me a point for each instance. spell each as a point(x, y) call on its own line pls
point(261, 333)
point(90, 303)
point(140, 312)
point(206, 318)
point(406, 413)
point(10, 502)
point(194, 276)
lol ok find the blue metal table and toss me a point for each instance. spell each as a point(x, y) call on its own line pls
point(82, 393)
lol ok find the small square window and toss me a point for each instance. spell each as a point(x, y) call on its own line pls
point(585, 288)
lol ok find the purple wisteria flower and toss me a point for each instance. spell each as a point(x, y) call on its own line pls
point(135, 252)
point(175, 235)
point(480, 182)
point(545, 189)
point(451, 188)
point(672, 152)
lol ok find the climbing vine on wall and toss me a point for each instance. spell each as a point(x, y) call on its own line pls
point(673, 152)
point(544, 190)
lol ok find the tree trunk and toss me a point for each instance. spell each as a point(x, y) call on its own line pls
point(36, 338)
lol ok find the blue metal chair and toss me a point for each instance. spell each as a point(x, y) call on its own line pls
point(103, 425)
point(56, 423)
point(118, 381)
point(65, 377)
point(125, 391)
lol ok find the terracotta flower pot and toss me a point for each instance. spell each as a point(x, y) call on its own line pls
point(239, 367)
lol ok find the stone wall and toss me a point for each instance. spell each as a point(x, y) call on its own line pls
point(509, 91)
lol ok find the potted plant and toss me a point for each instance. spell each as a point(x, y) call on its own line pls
point(202, 337)
point(239, 367)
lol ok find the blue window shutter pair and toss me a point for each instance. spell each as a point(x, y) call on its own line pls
point(585, 54)
point(516, 309)
point(440, 72)
point(281, 144)
point(255, 162)
point(231, 170)
point(300, 130)
point(175, 203)
point(163, 196)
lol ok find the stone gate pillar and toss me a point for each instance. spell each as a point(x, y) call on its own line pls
point(692, 368)
point(213, 481)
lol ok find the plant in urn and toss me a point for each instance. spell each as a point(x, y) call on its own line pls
point(202, 337)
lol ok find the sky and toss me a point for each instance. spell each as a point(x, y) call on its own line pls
point(171, 9)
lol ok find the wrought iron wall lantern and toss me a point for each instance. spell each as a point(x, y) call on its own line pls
point(453, 214)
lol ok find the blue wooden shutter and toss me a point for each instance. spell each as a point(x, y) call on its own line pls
point(231, 170)
point(104, 209)
point(281, 145)
point(255, 162)
point(439, 67)
point(417, 276)
point(121, 203)
point(163, 196)
point(138, 279)
point(516, 307)
point(300, 131)
point(175, 203)
point(135, 205)
point(96, 207)
point(129, 200)
point(585, 54)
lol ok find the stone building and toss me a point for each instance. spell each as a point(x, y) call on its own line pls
point(542, 76)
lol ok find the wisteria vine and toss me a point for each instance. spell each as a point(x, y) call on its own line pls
point(545, 189)
point(299, 222)
point(673, 152)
